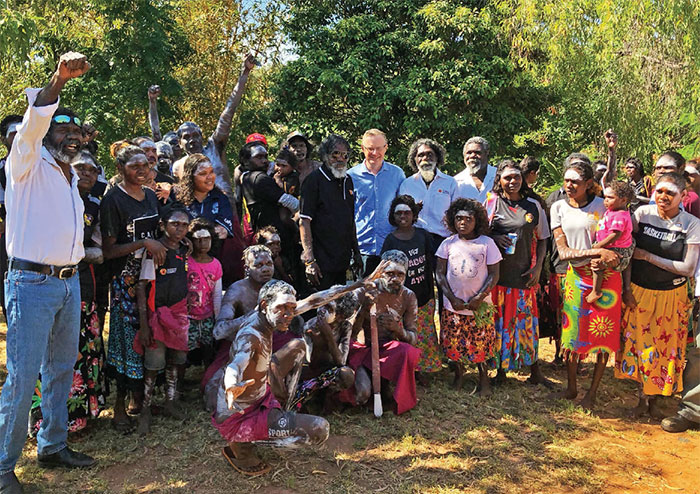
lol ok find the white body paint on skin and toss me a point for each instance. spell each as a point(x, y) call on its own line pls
point(402, 207)
point(572, 174)
point(669, 186)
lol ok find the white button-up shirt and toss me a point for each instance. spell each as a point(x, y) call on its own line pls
point(436, 198)
point(468, 189)
point(44, 210)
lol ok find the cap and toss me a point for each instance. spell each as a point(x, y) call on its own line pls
point(256, 137)
point(299, 135)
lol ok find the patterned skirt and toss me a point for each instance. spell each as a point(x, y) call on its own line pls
point(87, 394)
point(591, 328)
point(430, 360)
point(654, 340)
point(200, 333)
point(516, 327)
point(124, 365)
point(464, 341)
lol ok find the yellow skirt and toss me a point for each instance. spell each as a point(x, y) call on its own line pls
point(653, 340)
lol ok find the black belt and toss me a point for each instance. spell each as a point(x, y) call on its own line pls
point(61, 272)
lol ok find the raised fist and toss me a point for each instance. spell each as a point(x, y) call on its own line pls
point(249, 62)
point(153, 92)
point(611, 139)
point(72, 64)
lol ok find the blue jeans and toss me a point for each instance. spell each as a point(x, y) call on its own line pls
point(43, 328)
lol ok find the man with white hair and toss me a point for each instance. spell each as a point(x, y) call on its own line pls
point(476, 180)
point(328, 235)
point(431, 187)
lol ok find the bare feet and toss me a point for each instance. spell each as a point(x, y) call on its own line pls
point(654, 409)
point(536, 377)
point(641, 409)
point(170, 409)
point(593, 296)
point(587, 402)
point(501, 378)
point(565, 394)
point(458, 380)
point(144, 426)
point(246, 461)
point(485, 387)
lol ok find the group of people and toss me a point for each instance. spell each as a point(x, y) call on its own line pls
point(248, 275)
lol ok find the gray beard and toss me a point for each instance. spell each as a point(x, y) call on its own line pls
point(338, 172)
point(59, 155)
point(428, 174)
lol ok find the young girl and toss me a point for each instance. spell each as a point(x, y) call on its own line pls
point(204, 289)
point(614, 231)
point(467, 271)
point(162, 301)
point(416, 243)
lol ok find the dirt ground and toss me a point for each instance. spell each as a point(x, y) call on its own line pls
point(519, 440)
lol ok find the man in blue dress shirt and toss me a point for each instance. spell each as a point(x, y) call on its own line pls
point(376, 184)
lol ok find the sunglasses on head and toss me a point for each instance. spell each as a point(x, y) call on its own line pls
point(64, 119)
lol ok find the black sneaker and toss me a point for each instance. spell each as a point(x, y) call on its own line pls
point(66, 458)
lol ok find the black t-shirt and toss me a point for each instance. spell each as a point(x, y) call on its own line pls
point(128, 220)
point(261, 194)
point(523, 218)
point(419, 249)
point(162, 177)
point(665, 238)
point(168, 284)
point(330, 204)
point(91, 218)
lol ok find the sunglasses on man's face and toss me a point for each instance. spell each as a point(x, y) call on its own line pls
point(64, 119)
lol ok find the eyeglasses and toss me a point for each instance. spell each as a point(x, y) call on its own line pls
point(64, 119)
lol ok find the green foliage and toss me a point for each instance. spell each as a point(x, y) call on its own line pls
point(629, 65)
point(411, 68)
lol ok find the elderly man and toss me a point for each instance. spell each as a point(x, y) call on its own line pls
point(45, 244)
point(431, 187)
point(376, 184)
point(327, 213)
point(476, 180)
point(190, 135)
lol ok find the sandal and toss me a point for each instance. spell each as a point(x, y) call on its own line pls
point(261, 469)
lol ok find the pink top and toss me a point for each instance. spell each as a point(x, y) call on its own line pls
point(615, 221)
point(201, 282)
point(467, 262)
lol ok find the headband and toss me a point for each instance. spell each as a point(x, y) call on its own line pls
point(572, 174)
point(402, 207)
point(12, 128)
point(203, 233)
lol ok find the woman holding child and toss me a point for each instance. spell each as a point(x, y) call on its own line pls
point(655, 321)
point(587, 327)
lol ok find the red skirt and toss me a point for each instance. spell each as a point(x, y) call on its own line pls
point(397, 364)
point(251, 425)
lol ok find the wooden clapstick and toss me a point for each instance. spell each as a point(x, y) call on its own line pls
point(376, 377)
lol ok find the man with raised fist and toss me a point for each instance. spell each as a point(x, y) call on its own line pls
point(44, 245)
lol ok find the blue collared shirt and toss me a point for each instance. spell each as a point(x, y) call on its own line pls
point(373, 196)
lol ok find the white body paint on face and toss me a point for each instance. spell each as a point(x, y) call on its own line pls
point(257, 150)
point(572, 174)
point(512, 172)
point(272, 312)
point(201, 234)
point(670, 186)
point(462, 212)
point(402, 207)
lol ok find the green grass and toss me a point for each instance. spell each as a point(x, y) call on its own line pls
point(517, 441)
